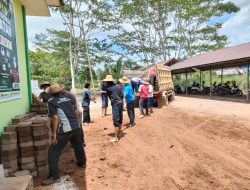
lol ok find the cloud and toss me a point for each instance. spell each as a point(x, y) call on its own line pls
point(37, 25)
point(237, 27)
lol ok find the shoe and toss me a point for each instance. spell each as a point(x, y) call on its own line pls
point(85, 124)
point(81, 165)
point(141, 116)
point(132, 125)
point(115, 139)
point(50, 181)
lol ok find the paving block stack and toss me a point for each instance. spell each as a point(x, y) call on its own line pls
point(25, 145)
point(40, 127)
point(9, 152)
point(39, 108)
point(26, 157)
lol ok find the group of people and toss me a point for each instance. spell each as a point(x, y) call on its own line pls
point(125, 90)
point(67, 118)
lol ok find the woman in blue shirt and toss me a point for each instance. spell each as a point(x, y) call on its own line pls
point(129, 98)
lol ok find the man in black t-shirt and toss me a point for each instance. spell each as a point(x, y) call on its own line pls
point(115, 94)
point(65, 127)
point(73, 98)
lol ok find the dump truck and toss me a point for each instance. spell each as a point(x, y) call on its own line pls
point(163, 87)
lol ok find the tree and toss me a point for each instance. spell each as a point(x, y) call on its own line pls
point(52, 48)
point(83, 18)
point(161, 29)
point(46, 67)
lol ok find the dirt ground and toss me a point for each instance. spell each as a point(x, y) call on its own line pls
point(191, 144)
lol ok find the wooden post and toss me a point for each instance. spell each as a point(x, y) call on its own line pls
point(200, 81)
point(186, 83)
point(221, 75)
point(248, 82)
point(210, 82)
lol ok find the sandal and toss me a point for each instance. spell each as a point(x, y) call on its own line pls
point(114, 140)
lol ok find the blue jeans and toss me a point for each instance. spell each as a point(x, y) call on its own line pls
point(143, 103)
point(131, 112)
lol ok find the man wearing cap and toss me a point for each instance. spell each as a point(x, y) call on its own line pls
point(65, 127)
point(115, 94)
point(129, 98)
point(44, 96)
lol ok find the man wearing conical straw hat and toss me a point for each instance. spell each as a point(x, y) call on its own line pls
point(115, 94)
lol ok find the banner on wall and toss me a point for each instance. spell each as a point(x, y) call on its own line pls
point(9, 67)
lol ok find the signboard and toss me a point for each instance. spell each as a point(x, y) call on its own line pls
point(35, 87)
point(9, 67)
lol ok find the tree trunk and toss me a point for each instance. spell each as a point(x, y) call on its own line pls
point(72, 67)
point(89, 64)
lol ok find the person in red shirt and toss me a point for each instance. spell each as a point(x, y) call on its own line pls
point(143, 102)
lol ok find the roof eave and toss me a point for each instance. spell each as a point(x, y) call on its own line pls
point(40, 7)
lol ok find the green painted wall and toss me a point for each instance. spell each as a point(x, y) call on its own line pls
point(10, 109)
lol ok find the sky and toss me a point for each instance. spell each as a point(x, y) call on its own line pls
point(236, 26)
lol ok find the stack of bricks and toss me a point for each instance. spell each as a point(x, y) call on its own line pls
point(9, 152)
point(25, 145)
point(40, 127)
point(39, 108)
point(26, 158)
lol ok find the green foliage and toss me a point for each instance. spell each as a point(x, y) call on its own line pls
point(161, 29)
point(50, 59)
point(83, 76)
point(47, 66)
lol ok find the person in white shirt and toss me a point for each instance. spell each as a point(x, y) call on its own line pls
point(150, 98)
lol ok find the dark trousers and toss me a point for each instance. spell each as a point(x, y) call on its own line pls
point(55, 151)
point(86, 115)
point(131, 112)
point(143, 103)
point(117, 111)
point(82, 135)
